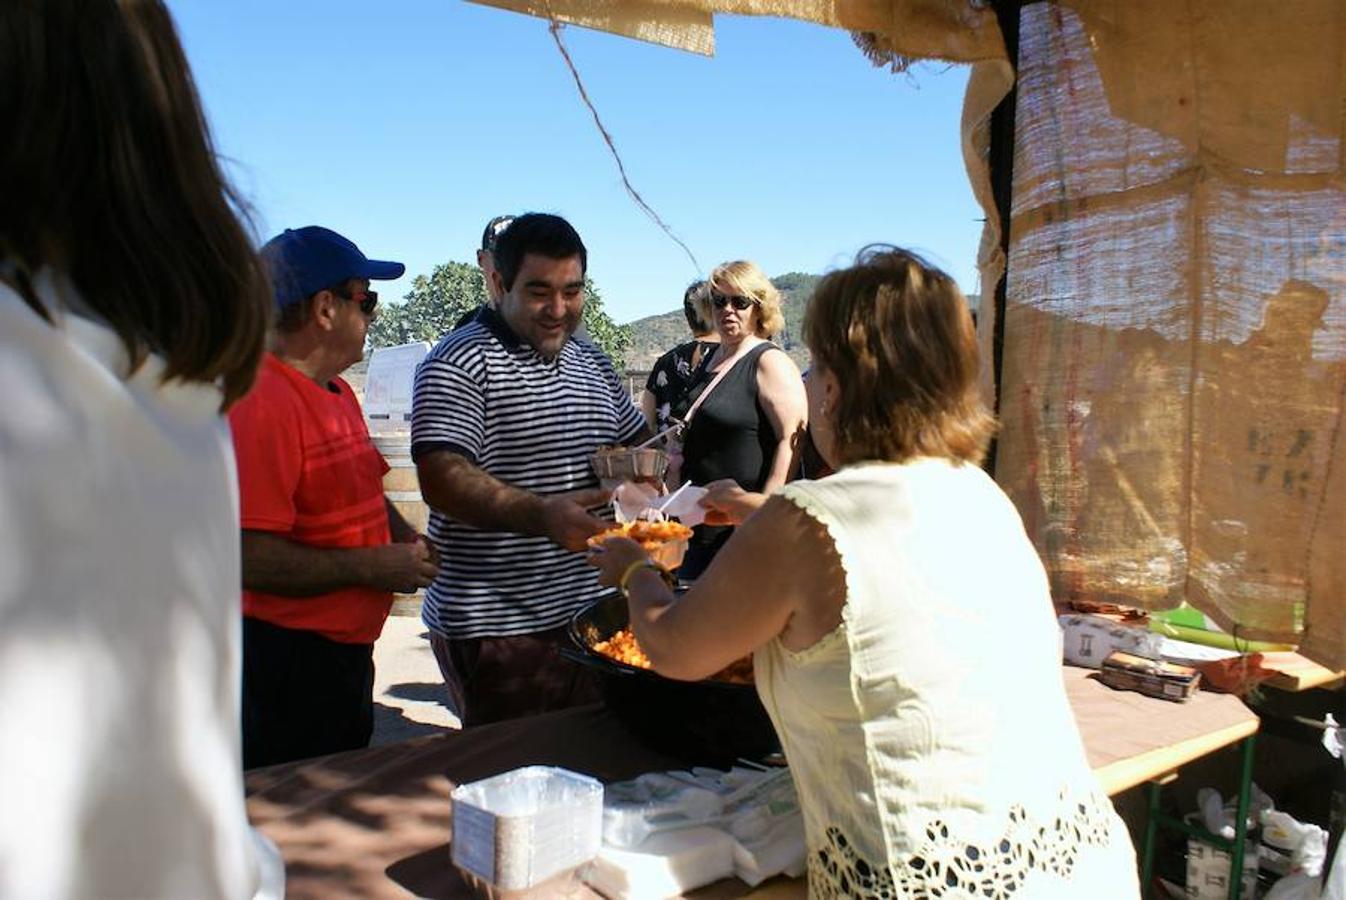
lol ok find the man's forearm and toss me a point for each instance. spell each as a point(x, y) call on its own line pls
point(462, 491)
point(276, 565)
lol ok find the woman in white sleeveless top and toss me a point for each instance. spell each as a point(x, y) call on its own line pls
point(903, 634)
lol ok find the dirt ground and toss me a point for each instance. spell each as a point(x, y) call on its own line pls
point(408, 691)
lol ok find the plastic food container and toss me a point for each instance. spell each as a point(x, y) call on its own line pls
point(669, 554)
point(525, 833)
point(655, 537)
point(613, 465)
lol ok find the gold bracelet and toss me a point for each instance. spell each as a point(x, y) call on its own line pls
point(633, 568)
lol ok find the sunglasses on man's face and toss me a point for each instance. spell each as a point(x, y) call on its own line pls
point(367, 302)
point(720, 301)
point(371, 300)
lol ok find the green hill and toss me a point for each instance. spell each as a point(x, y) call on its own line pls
point(653, 335)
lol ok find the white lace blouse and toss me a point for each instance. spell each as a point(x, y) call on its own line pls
point(929, 735)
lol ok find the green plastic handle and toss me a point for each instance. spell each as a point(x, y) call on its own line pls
point(1215, 638)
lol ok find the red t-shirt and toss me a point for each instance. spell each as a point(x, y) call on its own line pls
point(307, 471)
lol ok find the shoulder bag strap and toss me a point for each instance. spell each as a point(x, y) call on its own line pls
point(719, 376)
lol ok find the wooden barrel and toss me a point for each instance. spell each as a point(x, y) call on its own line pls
point(403, 490)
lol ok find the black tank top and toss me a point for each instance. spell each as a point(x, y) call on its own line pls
point(730, 435)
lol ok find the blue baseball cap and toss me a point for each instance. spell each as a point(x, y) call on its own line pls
point(303, 261)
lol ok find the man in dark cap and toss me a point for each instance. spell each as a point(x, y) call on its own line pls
point(486, 262)
point(323, 550)
point(486, 255)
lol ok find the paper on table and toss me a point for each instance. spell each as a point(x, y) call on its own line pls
point(632, 498)
point(667, 864)
point(686, 507)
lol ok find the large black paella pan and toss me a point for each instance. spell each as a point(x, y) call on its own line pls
point(703, 722)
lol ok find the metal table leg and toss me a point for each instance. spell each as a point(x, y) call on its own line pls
point(1235, 847)
point(1151, 830)
point(1241, 822)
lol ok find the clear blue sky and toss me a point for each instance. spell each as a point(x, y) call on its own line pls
point(407, 125)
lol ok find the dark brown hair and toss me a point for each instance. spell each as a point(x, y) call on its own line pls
point(108, 174)
point(295, 316)
point(540, 233)
point(696, 308)
point(896, 333)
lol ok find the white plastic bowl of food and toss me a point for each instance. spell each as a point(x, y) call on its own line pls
point(664, 541)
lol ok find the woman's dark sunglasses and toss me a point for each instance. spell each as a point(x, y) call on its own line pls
point(720, 301)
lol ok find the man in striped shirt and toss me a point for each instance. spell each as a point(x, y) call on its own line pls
point(505, 413)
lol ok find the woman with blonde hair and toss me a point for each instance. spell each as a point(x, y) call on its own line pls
point(746, 405)
point(133, 310)
point(904, 640)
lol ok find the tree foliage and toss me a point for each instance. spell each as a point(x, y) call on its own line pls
point(431, 307)
point(798, 289)
point(435, 303)
point(611, 338)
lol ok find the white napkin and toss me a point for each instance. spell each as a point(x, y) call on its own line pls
point(686, 506)
point(634, 498)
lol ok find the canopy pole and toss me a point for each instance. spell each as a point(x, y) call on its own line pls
point(1000, 164)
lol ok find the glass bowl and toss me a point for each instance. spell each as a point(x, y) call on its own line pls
point(614, 465)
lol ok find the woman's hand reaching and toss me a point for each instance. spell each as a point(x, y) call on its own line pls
point(728, 504)
point(613, 557)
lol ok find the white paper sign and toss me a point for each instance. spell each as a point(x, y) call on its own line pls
point(388, 383)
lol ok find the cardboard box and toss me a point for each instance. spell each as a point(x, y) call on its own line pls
point(1086, 640)
point(1208, 871)
point(1153, 677)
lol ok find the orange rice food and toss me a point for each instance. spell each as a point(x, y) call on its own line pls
point(650, 535)
point(624, 648)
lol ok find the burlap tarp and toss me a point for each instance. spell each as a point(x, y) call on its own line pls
point(954, 30)
point(1175, 328)
point(961, 31)
point(1175, 325)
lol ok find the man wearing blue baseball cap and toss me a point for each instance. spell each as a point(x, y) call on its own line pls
point(323, 550)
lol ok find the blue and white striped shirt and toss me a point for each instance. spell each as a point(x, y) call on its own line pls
point(531, 423)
